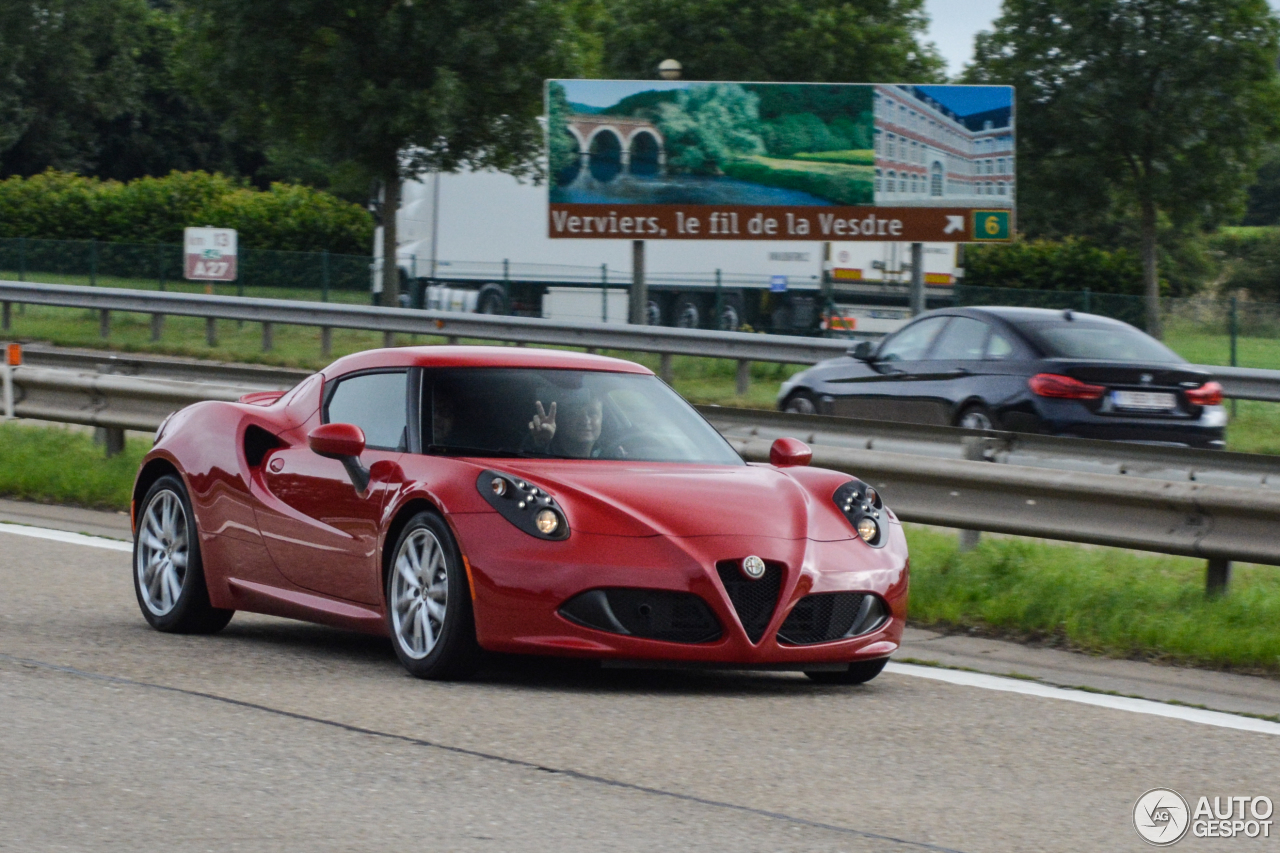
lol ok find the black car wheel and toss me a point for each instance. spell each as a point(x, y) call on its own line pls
point(859, 672)
point(429, 602)
point(491, 300)
point(168, 574)
point(801, 403)
point(977, 416)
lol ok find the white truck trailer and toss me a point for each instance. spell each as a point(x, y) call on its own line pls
point(477, 241)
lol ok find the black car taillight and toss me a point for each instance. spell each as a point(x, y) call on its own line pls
point(1064, 387)
point(1208, 394)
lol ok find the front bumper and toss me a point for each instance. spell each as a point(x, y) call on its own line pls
point(519, 583)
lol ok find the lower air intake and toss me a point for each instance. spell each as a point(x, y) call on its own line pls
point(753, 600)
point(831, 616)
point(652, 614)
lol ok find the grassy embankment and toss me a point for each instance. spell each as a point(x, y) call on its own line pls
point(837, 180)
point(1099, 600)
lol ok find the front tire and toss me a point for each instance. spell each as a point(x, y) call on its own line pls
point(168, 573)
point(429, 611)
point(859, 672)
point(977, 416)
point(801, 403)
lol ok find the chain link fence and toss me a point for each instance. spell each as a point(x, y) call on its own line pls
point(160, 265)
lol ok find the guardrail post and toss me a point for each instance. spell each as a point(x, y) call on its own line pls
point(267, 336)
point(7, 412)
point(388, 339)
point(664, 368)
point(974, 451)
point(104, 323)
point(326, 340)
point(1217, 577)
point(210, 331)
point(743, 380)
point(451, 340)
point(111, 438)
point(157, 324)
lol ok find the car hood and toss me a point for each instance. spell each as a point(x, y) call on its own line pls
point(675, 499)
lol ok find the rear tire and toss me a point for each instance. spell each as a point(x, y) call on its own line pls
point(168, 573)
point(429, 613)
point(491, 300)
point(859, 672)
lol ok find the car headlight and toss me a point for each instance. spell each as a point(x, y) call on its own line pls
point(523, 504)
point(863, 507)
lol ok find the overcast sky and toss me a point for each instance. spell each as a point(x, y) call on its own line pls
point(954, 23)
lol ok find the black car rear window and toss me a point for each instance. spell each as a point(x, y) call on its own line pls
point(1111, 341)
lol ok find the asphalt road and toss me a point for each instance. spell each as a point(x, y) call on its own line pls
point(275, 735)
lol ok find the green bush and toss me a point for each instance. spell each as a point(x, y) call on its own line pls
point(845, 185)
point(1072, 264)
point(63, 206)
point(1253, 260)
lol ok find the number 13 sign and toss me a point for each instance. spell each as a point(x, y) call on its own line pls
point(210, 254)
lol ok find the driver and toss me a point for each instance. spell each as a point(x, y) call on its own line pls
point(577, 435)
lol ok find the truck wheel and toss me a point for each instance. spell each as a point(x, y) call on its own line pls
point(732, 310)
point(491, 300)
point(654, 315)
point(688, 312)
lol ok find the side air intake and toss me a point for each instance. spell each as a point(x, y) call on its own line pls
point(652, 614)
point(830, 616)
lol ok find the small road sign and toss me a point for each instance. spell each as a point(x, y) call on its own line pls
point(209, 254)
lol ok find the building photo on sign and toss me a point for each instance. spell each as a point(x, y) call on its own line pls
point(209, 254)
point(633, 159)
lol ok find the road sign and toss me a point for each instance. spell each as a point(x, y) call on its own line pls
point(210, 254)
point(679, 160)
point(778, 284)
point(990, 225)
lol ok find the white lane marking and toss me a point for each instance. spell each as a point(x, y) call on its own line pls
point(951, 676)
point(1084, 697)
point(64, 536)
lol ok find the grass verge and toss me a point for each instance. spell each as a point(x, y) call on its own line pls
point(59, 465)
point(838, 182)
point(1099, 600)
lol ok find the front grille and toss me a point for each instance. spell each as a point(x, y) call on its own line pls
point(753, 600)
point(831, 616)
point(654, 614)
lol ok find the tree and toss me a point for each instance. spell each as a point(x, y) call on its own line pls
point(707, 126)
point(397, 88)
point(1155, 109)
point(837, 41)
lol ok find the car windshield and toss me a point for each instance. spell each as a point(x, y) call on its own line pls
point(566, 414)
point(1110, 341)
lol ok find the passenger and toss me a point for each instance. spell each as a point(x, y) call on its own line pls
point(444, 413)
point(578, 434)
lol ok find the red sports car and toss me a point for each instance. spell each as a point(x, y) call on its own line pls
point(515, 500)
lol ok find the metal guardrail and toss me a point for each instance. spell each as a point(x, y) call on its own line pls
point(1151, 461)
point(740, 346)
point(1238, 382)
point(1189, 519)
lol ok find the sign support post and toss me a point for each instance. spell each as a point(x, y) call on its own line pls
point(639, 290)
point(917, 279)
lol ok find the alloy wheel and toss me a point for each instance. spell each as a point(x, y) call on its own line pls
point(163, 553)
point(419, 593)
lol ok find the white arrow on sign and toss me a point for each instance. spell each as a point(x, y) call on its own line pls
point(954, 223)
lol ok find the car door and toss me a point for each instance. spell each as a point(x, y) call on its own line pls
point(953, 373)
point(322, 533)
point(889, 391)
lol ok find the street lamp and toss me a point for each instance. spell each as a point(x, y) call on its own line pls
point(669, 69)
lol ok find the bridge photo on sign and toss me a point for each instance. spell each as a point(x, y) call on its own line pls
point(632, 159)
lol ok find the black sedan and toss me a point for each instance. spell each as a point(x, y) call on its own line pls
point(1020, 369)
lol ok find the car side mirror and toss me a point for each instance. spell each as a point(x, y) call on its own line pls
point(862, 350)
point(789, 453)
point(344, 442)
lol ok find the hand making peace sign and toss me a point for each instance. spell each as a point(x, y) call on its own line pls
point(543, 426)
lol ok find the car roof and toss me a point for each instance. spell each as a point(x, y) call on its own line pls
point(480, 356)
point(1017, 315)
